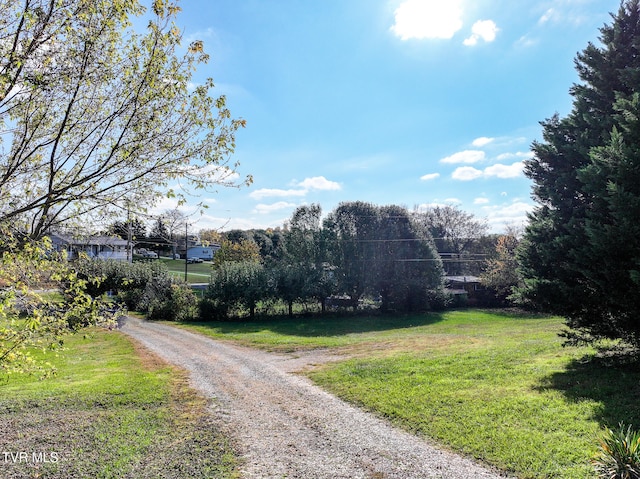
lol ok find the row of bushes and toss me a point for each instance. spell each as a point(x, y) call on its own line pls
point(235, 289)
point(144, 287)
point(238, 288)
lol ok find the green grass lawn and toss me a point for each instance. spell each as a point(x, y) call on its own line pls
point(196, 272)
point(495, 386)
point(111, 411)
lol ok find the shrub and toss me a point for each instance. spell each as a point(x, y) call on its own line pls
point(238, 286)
point(619, 456)
point(170, 300)
point(144, 287)
point(212, 310)
point(439, 299)
point(119, 277)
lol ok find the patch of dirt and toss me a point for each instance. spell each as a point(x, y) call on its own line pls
point(309, 359)
point(305, 360)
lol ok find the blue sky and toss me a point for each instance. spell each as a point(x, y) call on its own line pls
point(408, 102)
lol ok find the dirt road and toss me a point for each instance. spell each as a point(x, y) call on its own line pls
point(285, 426)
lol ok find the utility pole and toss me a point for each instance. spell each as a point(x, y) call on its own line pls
point(186, 249)
point(129, 235)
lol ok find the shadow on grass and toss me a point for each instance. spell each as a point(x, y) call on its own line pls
point(612, 381)
point(324, 326)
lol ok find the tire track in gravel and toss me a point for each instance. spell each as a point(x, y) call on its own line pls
point(286, 427)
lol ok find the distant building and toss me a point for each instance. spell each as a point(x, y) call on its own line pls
point(468, 290)
point(203, 252)
point(98, 247)
point(462, 288)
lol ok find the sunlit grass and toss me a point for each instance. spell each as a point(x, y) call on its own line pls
point(496, 386)
point(109, 412)
point(196, 272)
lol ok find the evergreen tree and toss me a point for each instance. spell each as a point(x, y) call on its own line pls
point(580, 256)
point(123, 229)
point(159, 231)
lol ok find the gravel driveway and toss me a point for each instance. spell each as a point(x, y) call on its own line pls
point(285, 427)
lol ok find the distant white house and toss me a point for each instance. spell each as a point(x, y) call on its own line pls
point(99, 247)
point(203, 252)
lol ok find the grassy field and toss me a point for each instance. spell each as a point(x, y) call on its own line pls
point(196, 272)
point(496, 386)
point(111, 411)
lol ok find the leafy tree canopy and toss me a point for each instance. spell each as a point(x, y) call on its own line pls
point(457, 235)
point(96, 117)
point(383, 251)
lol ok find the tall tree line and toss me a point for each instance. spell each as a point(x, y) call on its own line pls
point(358, 250)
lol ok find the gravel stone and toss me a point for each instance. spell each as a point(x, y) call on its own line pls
point(286, 427)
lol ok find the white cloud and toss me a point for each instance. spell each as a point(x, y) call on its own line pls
point(481, 201)
point(566, 12)
point(466, 173)
point(467, 156)
point(526, 41)
point(275, 193)
point(482, 141)
point(427, 19)
point(430, 176)
point(266, 209)
point(505, 171)
point(482, 30)
point(199, 35)
point(319, 183)
point(519, 154)
point(514, 213)
point(436, 203)
point(549, 15)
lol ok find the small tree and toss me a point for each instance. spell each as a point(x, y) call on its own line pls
point(302, 267)
point(409, 265)
point(244, 251)
point(210, 236)
point(351, 234)
point(144, 287)
point(501, 273)
point(292, 283)
point(30, 319)
point(237, 285)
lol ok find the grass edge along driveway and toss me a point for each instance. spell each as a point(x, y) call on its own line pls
point(113, 410)
point(493, 385)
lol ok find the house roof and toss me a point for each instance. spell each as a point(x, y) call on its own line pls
point(462, 279)
point(213, 246)
point(99, 240)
